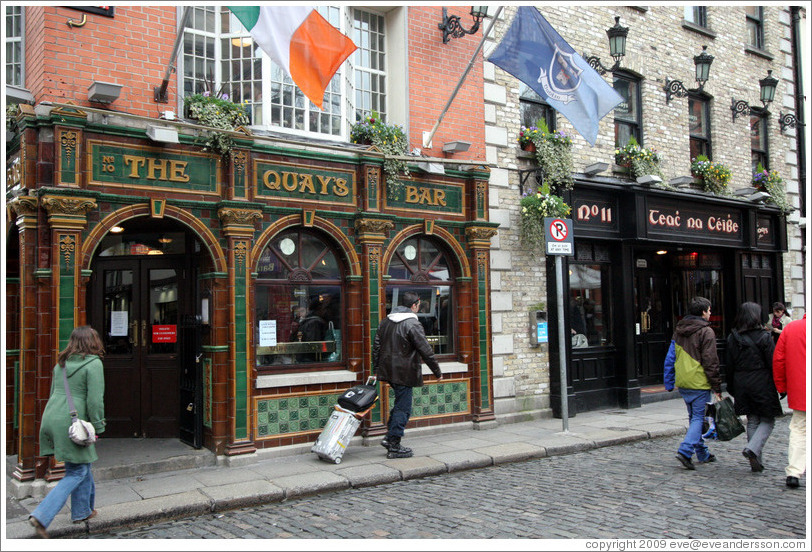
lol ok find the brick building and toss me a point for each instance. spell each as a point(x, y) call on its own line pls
point(237, 295)
point(629, 279)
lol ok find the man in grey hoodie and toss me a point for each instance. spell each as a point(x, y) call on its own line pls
point(400, 344)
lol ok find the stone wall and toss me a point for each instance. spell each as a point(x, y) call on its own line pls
point(660, 46)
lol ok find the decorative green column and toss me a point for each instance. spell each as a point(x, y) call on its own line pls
point(238, 227)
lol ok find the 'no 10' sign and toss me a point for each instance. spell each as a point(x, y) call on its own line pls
point(558, 236)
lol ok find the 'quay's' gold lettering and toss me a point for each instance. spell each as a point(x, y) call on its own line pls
point(304, 183)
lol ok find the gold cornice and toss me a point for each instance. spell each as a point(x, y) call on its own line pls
point(238, 221)
point(372, 228)
point(480, 236)
point(67, 212)
point(24, 208)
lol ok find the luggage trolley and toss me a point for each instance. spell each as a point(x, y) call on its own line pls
point(344, 421)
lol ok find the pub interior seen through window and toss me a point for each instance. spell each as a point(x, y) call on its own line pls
point(298, 309)
point(700, 274)
point(419, 266)
point(590, 297)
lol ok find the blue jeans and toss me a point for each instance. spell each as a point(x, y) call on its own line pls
point(693, 443)
point(401, 411)
point(77, 484)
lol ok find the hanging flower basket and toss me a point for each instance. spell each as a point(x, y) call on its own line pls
point(535, 205)
point(715, 177)
point(553, 154)
point(218, 112)
point(638, 160)
point(772, 183)
point(391, 140)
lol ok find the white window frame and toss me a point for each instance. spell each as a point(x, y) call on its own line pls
point(21, 40)
point(346, 83)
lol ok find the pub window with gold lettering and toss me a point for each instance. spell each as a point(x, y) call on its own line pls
point(420, 265)
point(298, 309)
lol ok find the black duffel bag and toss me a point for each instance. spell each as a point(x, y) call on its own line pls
point(360, 397)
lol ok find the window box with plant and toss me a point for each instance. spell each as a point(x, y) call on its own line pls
point(218, 112)
point(391, 141)
point(638, 160)
point(534, 206)
point(714, 177)
point(772, 183)
point(553, 153)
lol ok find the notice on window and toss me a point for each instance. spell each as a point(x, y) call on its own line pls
point(118, 323)
point(267, 333)
point(164, 333)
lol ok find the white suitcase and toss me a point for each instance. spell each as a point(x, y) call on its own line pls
point(335, 437)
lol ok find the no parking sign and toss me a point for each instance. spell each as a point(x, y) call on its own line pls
point(558, 236)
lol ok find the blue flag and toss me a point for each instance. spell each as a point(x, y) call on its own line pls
point(533, 52)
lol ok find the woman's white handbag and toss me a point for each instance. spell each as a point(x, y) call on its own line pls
point(80, 432)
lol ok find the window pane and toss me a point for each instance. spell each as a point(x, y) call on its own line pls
point(435, 313)
point(368, 35)
point(696, 117)
point(590, 303)
point(298, 307)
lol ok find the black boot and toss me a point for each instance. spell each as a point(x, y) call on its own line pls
point(396, 450)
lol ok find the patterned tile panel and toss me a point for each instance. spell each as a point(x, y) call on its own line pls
point(293, 414)
point(439, 399)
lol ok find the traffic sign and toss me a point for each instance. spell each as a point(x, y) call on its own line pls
point(558, 236)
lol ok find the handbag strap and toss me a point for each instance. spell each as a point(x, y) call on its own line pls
point(71, 406)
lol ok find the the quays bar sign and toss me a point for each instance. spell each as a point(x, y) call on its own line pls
point(301, 183)
point(153, 168)
point(668, 219)
point(429, 197)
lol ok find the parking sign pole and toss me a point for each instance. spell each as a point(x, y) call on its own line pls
point(562, 343)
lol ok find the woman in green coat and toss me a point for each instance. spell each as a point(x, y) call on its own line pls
point(81, 361)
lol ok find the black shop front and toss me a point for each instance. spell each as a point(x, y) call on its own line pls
point(641, 254)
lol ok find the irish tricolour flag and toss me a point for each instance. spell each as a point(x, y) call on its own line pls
point(299, 40)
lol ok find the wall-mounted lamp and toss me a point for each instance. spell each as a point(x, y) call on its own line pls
point(457, 146)
point(617, 48)
point(595, 168)
point(767, 95)
point(103, 92)
point(451, 23)
point(787, 120)
point(676, 88)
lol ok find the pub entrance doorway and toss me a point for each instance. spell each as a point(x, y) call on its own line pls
point(141, 297)
point(653, 316)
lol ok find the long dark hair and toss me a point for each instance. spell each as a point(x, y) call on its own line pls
point(748, 317)
point(83, 341)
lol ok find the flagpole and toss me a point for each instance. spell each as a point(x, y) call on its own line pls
point(427, 138)
point(160, 93)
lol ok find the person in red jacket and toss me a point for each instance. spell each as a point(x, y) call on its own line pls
point(789, 372)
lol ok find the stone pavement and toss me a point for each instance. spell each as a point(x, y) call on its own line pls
point(212, 484)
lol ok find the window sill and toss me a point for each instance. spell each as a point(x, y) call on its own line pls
point(705, 31)
point(308, 378)
point(338, 376)
point(758, 52)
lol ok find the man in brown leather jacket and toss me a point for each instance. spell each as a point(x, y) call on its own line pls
point(400, 344)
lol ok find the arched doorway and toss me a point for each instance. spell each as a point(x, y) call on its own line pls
point(142, 296)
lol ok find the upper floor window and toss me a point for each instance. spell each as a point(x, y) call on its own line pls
point(696, 15)
point(532, 108)
point(699, 126)
point(219, 54)
point(759, 152)
point(298, 308)
point(628, 117)
point(15, 60)
point(755, 26)
point(418, 265)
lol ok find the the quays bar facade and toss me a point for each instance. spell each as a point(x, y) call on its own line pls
point(641, 254)
point(237, 298)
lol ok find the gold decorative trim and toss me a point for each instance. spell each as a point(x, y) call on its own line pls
point(239, 159)
point(68, 140)
point(68, 206)
point(374, 256)
point(373, 226)
point(479, 236)
point(72, 111)
point(230, 216)
point(67, 246)
point(24, 207)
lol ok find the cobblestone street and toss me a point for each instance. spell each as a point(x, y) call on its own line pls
point(636, 490)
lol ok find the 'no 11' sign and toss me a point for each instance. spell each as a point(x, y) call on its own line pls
point(558, 236)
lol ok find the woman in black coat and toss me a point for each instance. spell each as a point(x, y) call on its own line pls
point(750, 379)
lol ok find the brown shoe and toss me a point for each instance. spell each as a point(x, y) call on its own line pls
point(43, 534)
point(92, 514)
